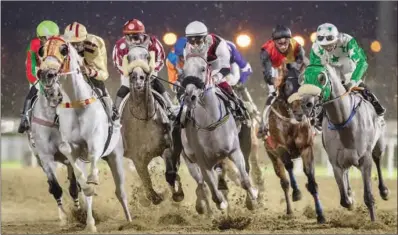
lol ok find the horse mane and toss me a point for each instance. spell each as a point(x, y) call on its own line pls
point(193, 80)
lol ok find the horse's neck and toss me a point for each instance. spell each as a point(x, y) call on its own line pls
point(212, 105)
point(42, 110)
point(75, 86)
point(340, 109)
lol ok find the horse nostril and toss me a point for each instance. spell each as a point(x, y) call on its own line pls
point(142, 77)
point(193, 98)
point(309, 105)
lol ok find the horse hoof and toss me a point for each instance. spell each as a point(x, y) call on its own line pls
point(156, 199)
point(253, 193)
point(385, 194)
point(222, 185)
point(296, 196)
point(91, 228)
point(89, 191)
point(250, 204)
point(223, 205)
point(200, 208)
point(178, 197)
point(321, 219)
point(63, 223)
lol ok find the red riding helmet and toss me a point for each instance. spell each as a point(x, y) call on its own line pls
point(133, 26)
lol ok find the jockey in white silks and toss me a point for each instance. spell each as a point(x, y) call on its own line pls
point(218, 56)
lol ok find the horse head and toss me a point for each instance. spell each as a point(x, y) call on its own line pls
point(196, 75)
point(287, 80)
point(55, 60)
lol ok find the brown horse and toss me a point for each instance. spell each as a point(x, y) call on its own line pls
point(290, 139)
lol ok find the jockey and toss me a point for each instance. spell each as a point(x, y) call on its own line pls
point(134, 34)
point(218, 55)
point(93, 49)
point(44, 30)
point(281, 48)
point(175, 62)
point(342, 50)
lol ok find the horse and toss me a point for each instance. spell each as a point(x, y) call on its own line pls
point(290, 139)
point(352, 135)
point(146, 128)
point(209, 136)
point(83, 122)
point(44, 139)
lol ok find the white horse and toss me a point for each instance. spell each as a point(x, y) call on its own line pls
point(83, 122)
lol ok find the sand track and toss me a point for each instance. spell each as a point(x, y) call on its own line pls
point(27, 207)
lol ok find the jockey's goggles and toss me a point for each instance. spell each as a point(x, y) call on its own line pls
point(196, 40)
point(328, 38)
point(282, 42)
point(134, 37)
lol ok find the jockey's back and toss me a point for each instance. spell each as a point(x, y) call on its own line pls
point(95, 57)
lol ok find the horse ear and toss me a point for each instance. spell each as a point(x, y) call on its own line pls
point(64, 50)
point(41, 51)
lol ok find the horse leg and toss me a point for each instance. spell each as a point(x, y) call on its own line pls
point(256, 170)
point(307, 155)
point(252, 193)
point(66, 150)
point(231, 171)
point(115, 163)
point(376, 155)
point(289, 166)
point(74, 187)
point(176, 189)
point(211, 180)
point(142, 170)
point(202, 201)
point(280, 172)
point(54, 187)
point(366, 170)
point(340, 175)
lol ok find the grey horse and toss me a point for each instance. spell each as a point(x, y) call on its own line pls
point(145, 125)
point(209, 136)
point(353, 133)
point(44, 139)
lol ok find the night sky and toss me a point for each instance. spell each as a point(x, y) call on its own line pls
point(105, 19)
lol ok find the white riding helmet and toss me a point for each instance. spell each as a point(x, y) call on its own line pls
point(326, 34)
point(196, 28)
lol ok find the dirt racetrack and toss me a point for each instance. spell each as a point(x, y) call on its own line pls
point(27, 207)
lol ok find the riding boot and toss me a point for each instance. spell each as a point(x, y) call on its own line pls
point(369, 96)
point(121, 94)
point(239, 106)
point(24, 124)
point(109, 108)
point(171, 108)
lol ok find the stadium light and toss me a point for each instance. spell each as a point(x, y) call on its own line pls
point(170, 38)
point(243, 40)
point(375, 46)
point(299, 39)
point(313, 37)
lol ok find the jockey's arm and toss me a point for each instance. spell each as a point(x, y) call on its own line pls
point(117, 59)
point(31, 60)
point(357, 55)
point(244, 66)
point(224, 57)
point(315, 59)
point(159, 54)
point(97, 69)
point(267, 65)
point(300, 59)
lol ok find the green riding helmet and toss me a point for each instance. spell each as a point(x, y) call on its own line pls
point(47, 28)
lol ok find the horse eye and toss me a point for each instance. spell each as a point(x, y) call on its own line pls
point(322, 78)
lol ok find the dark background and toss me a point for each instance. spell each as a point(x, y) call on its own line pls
point(366, 21)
